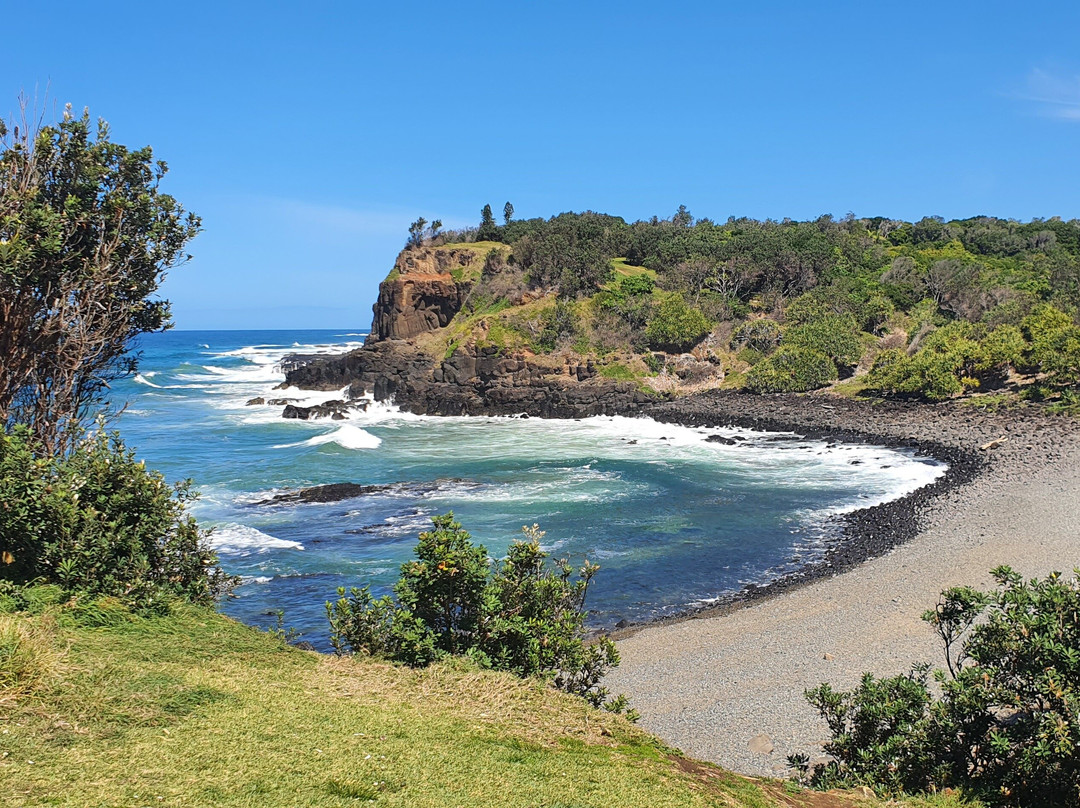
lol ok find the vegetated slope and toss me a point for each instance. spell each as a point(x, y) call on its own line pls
point(195, 709)
point(928, 309)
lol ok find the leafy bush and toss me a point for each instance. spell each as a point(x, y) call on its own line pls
point(98, 521)
point(950, 359)
point(834, 335)
point(520, 616)
point(1006, 725)
point(636, 285)
point(1054, 344)
point(558, 325)
point(927, 375)
point(675, 326)
point(758, 335)
point(791, 370)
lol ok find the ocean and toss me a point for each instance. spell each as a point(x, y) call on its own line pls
point(674, 520)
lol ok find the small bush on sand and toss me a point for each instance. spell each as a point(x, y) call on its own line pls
point(1002, 720)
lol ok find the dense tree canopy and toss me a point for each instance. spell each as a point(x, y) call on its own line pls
point(1003, 293)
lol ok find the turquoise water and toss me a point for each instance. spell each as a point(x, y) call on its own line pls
point(673, 520)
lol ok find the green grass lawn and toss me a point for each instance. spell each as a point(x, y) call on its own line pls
point(194, 709)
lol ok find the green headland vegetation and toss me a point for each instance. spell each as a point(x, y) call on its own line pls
point(930, 310)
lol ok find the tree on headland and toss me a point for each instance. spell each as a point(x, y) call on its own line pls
point(86, 237)
point(508, 212)
point(489, 230)
point(416, 232)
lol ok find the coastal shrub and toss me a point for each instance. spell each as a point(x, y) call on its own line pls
point(928, 375)
point(834, 335)
point(521, 614)
point(759, 335)
point(1000, 720)
point(950, 359)
point(558, 325)
point(97, 521)
point(676, 326)
point(1054, 341)
point(791, 370)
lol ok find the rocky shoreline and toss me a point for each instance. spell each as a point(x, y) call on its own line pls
point(950, 433)
point(476, 381)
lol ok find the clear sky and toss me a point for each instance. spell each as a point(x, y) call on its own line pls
point(308, 135)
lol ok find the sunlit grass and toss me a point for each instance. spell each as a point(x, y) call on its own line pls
point(195, 709)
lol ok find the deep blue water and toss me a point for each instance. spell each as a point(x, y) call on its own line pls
point(672, 519)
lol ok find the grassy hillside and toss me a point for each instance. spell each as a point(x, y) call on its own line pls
point(195, 709)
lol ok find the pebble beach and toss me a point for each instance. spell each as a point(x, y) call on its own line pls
point(727, 684)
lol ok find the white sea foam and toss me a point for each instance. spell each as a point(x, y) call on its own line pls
point(143, 379)
point(345, 436)
point(236, 539)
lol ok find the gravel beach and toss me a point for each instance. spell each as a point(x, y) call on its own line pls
point(727, 686)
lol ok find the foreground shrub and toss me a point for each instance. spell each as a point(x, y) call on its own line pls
point(97, 521)
point(1006, 725)
point(791, 370)
point(521, 616)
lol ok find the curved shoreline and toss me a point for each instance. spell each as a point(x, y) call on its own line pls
point(725, 684)
point(862, 534)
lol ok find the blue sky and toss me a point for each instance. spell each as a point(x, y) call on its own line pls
point(308, 136)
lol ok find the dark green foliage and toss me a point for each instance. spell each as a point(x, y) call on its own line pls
point(489, 230)
point(676, 326)
point(571, 252)
point(636, 285)
point(758, 335)
point(952, 358)
point(558, 325)
point(1003, 720)
point(98, 521)
point(833, 335)
point(445, 587)
point(865, 302)
point(878, 733)
point(791, 370)
point(416, 232)
point(1054, 341)
point(522, 616)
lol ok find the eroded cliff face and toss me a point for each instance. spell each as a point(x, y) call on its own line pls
point(420, 295)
